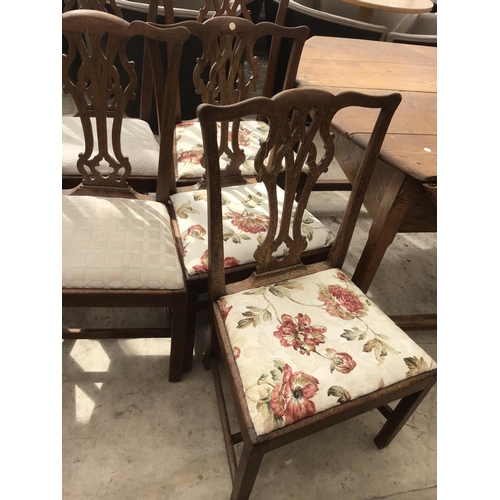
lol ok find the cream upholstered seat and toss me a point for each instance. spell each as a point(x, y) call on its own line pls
point(308, 344)
point(114, 243)
point(246, 216)
point(137, 139)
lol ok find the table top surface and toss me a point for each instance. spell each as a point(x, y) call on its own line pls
point(379, 68)
point(406, 6)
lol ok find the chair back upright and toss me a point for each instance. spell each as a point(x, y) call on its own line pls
point(297, 119)
point(105, 82)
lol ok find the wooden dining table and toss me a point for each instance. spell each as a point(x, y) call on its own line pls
point(367, 7)
point(402, 196)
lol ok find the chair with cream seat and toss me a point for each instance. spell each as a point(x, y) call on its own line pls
point(118, 246)
point(138, 133)
point(303, 348)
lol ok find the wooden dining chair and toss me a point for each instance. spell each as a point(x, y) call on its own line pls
point(273, 50)
point(139, 133)
point(302, 346)
point(228, 73)
point(118, 246)
point(227, 70)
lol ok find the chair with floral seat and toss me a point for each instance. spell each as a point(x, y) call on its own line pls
point(303, 348)
point(118, 245)
point(227, 71)
point(177, 11)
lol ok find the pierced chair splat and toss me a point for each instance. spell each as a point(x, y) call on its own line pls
point(228, 71)
point(302, 346)
point(139, 142)
point(118, 246)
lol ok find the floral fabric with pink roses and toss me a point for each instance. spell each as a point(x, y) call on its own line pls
point(245, 214)
point(308, 344)
point(189, 145)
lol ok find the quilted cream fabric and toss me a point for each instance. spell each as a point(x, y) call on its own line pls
point(245, 214)
point(308, 344)
point(118, 244)
point(189, 145)
point(138, 143)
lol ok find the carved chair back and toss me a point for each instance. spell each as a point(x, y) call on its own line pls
point(105, 82)
point(228, 71)
point(297, 119)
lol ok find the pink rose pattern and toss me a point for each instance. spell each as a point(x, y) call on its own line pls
point(341, 302)
point(193, 156)
point(248, 223)
point(291, 400)
point(203, 266)
point(224, 309)
point(243, 137)
point(299, 334)
point(191, 149)
point(341, 361)
point(195, 231)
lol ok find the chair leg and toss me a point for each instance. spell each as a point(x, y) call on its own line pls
point(399, 417)
point(190, 328)
point(212, 350)
point(178, 339)
point(248, 467)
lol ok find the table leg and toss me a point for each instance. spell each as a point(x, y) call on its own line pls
point(365, 14)
point(386, 224)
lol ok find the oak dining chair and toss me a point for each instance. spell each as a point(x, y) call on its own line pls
point(302, 347)
point(227, 70)
point(221, 78)
point(118, 249)
point(139, 132)
point(273, 49)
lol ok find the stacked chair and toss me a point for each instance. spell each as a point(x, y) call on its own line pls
point(303, 348)
point(118, 245)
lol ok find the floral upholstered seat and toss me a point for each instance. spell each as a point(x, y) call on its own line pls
point(246, 217)
point(190, 147)
point(308, 344)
